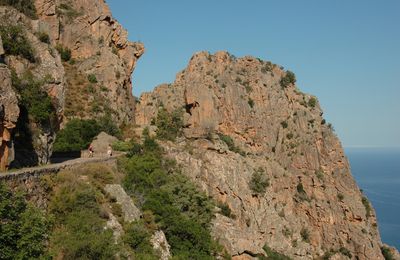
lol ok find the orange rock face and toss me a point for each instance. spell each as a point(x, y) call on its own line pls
point(311, 203)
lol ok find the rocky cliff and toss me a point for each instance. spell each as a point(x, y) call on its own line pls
point(246, 124)
point(73, 52)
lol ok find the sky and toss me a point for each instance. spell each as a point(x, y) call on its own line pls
point(347, 53)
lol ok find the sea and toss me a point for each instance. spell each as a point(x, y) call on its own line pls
point(377, 172)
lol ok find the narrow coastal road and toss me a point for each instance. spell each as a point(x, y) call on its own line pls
point(53, 168)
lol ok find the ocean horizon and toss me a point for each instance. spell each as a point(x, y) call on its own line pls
point(377, 172)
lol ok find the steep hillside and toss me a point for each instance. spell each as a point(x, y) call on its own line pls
point(252, 140)
point(66, 59)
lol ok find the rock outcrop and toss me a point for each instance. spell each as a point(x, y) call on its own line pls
point(131, 212)
point(9, 112)
point(99, 48)
point(81, 57)
point(245, 117)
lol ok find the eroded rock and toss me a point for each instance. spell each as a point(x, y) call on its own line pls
point(311, 205)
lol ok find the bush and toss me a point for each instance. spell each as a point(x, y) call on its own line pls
point(301, 192)
point(26, 7)
point(107, 125)
point(169, 125)
point(76, 136)
point(180, 210)
point(312, 102)
point(284, 124)
point(289, 78)
point(387, 254)
point(79, 133)
point(44, 37)
point(65, 53)
point(92, 78)
point(123, 146)
point(24, 229)
point(15, 42)
point(35, 100)
point(346, 252)
point(251, 102)
point(259, 182)
point(137, 236)
point(226, 210)
point(367, 206)
point(231, 145)
point(305, 235)
point(79, 228)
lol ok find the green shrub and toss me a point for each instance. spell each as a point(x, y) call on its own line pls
point(64, 52)
point(226, 210)
point(230, 143)
point(259, 181)
point(68, 11)
point(387, 254)
point(92, 78)
point(312, 102)
point(273, 255)
point(180, 210)
point(251, 102)
point(346, 252)
point(123, 146)
point(44, 37)
point(340, 196)
point(137, 236)
point(76, 136)
point(169, 125)
point(106, 124)
point(367, 206)
point(26, 7)
point(301, 193)
point(79, 227)
point(289, 78)
point(268, 66)
point(305, 234)
point(284, 124)
point(15, 42)
point(32, 98)
point(24, 229)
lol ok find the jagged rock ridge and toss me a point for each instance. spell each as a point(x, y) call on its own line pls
point(312, 205)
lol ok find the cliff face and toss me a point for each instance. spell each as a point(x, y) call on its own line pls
point(76, 53)
point(99, 49)
point(311, 205)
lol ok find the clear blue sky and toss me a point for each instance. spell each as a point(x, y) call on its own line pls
point(347, 53)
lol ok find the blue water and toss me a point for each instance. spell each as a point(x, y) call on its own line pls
point(377, 172)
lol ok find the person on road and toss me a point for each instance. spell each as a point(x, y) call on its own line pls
point(91, 151)
point(109, 150)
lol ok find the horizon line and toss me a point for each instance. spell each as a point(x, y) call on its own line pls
point(371, 146)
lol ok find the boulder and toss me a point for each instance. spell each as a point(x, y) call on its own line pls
point(130, 211)
point(101, 142)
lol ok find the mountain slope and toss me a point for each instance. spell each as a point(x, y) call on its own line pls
point(256, 143)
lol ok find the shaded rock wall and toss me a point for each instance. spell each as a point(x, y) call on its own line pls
point(9, 112)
